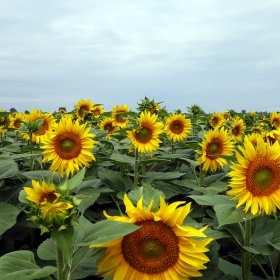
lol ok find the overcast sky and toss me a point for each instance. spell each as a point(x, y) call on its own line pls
point(218, 54)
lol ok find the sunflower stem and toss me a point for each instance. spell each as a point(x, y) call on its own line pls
point(144, 167)
point(262, 269)
point(246, 264)
point(136, 169)
point(59, 263)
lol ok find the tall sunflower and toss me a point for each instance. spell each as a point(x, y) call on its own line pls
point(97, 111)
point(177, 127)
point(272, 136)
point(275, 120)
point(255, 178)
point(237, 129)
point(216, 120)
point(83, 108)
point(107, 124)
point(253, 138)
point(216, 142)
point(162, 248)
point(68, 146)
point(146, 137)
point(16, 120)
point(119, 116)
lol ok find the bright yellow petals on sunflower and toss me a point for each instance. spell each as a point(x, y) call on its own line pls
point(83, 108)
point(272, 136)
point(3, 129)
point(107, 124)
point(69, 146)
point(237, 129)
point(119, 116)
point(97, 111)
point(217, 142)
point(146, 137)
point(253, 138)
point(41, 192)
point(162, 248)
point(275, 120)
point(226, 115)
point(177, 127)
point(255, 181)
point(216, 120)
point(16, 120)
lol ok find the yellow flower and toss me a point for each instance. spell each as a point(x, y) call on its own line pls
point(107, 124)
point(146, 137)
point(41, 193)
point(275, 120)
point(253, 138)
point(68, 146)
point(216, 120)
point(97, 111)
point(216, 142)
point(237, 129)
point(256, 177)
point(16, 120)
point(83, 108)
point(177, 127)
point(119, 117)
point(3, 129)
point(162, 248)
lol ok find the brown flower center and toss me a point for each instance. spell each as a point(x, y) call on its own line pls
point(120, 117)
point(213, 148)
point(109, 127)
point(144, 135)
point(43, 128)
point(68, 145)
point(176, 127)
point(153, 248)
point(235, 130)
point(263, 177)
point(83, 111)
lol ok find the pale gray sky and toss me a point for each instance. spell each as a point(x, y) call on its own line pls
point(219, 54)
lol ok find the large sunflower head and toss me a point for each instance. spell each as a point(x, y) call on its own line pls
point(255, 180)
point(177, 127)
point(216, 142)
point(237, 129)
point(68, 146)
point(272, 136)
point(119, 116)
point(146, 137)
point(162, 248)
point(83, 108)
point(216, 120)
point(275, 120)
point(253, 138)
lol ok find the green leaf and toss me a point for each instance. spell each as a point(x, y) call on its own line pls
point(105, 231)
point(90, 196)
point(211, 199)
point(64, 240)
point(38, 174)
point(228, 214)
point(21, 265)
point(161, 176)
point(8, 216)
point(123, 159)
point(230, 269)
point(263, 249)
point(8, 168)
point(47, 250)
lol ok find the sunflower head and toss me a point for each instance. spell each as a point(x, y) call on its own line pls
point(97, 111)
point(83, 108)
point(237, 129)
point(162, 248)
point(275, 120)
point(119, 116)
point(195, 109)
point(216, 120)
point(255, 179)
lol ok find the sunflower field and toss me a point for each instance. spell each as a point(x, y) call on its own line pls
point(138, 195)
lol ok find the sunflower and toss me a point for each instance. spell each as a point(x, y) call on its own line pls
point(253, 138)
point(97, 111)
point(16, 120)
point(107, 124)
point(83, 108)
point(255, 178)
point(216, 142)
point(48, 122)
point(68, 146)
point(146, 137)
point(275, 120)
point(237, 129)
point(226, 115)
point(257, 129)
point(216, 120)
point(119, 117)
point(177, 127)
point(162, 248)
point(272, 136)
point(3, 130)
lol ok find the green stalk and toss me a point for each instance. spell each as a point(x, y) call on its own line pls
point(136, 169)
point(144, 167)
point(59, 263)
point(246, 264)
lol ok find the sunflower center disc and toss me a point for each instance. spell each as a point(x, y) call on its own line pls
point(235, 131)
point(264, 178)
point(177, 128)
point(144, 135)
point(68, 146)
point(108, 127)
point(83, 112)
point(151, 249)
point(121, 117)
point(214, 148)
